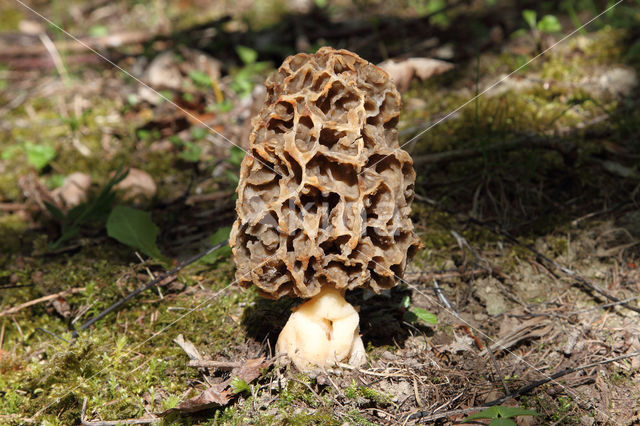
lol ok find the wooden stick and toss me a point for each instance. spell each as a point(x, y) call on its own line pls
point(11, 311)
point(202, 363)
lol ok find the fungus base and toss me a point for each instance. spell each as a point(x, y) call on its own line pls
point(323, 332)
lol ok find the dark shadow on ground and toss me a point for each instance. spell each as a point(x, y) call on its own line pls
point(382, 317)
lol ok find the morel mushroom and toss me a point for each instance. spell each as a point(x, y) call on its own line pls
point(324, 200)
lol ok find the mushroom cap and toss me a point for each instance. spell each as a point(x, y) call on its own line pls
point(324, 192)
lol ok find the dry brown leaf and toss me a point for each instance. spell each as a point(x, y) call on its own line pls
point(460, 344)
point(403, 71)
point(73, 191)
point(216, 395)
point(62, 307)
point(169, 71)
point(138, 186)
point(188, 347)
point(221, 393)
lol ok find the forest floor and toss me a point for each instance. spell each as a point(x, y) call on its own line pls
point(526, 203)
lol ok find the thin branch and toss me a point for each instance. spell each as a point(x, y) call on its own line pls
point(15, 309)
point(201, 363)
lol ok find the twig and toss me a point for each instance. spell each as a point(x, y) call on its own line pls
point(9, 207)
point(55, 56)
point(15, 309)
point(141, 421)
point(606, 305)
point(5, 287)
point(202, 363)
point(147, 286)
point(496, 367)
point(52, 334)
point(442, 297)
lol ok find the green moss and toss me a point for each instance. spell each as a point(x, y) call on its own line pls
point(355, 391)
point(11, 17)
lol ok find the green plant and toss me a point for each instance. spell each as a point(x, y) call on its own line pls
point(548, 23)
point(95, 209)
point(239, 385)
point(39, 155)
point(134, 228)
point(243, 79)
point(500, 415)
point(414, 314)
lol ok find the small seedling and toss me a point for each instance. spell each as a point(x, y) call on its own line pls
point(548, 23)
point(243, 80)
point(500, 415)
point(414, 314)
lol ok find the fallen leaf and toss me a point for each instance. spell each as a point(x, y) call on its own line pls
point(138, 186)
point(460, 344)
point(251, 369)
point(403, 71)
point(216, 395)
point(221, 393)
point(62, 307)
point(73, 191)
point(188, 347)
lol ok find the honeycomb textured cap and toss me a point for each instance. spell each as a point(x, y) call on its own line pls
point(324, 194)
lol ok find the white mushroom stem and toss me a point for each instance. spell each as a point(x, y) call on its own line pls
point(323, 332)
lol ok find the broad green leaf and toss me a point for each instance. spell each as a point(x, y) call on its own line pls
point(134, 228)
point(246, 54)
point(219, 236)
point(530, 17)
point(489, 413)
point(549, 24)
point(39, 155)
point(200, 78)
point(500, 412)
point(507, 412)
point(425, 315)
